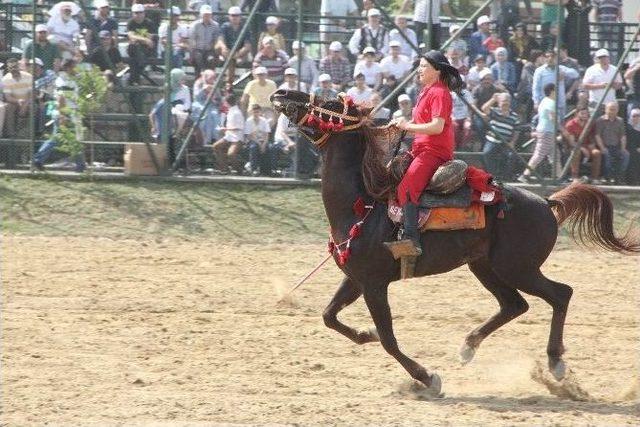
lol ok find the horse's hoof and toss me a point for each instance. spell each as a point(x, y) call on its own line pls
point(436, 385)
point(374, 333)
point(466, 353)
point(559, 370)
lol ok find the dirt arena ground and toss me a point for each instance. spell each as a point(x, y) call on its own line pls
point(174, 332)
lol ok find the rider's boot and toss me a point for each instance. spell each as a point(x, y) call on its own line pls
point(409, 248)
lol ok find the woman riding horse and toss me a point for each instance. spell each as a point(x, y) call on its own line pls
point(434, 141)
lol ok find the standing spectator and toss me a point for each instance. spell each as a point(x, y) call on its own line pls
point(473, 77)
point(549, 14)
point(360, 93)
point(597, 77)
point(325, 89)
point(256, 133)
point(106, 55)
point(612, 141)
point(64, 29)
point(396, 64)
point(141, 47)
point(481, 95)
point(492, 44)
point(632, 77)
point(498, 156)
point(509, 15)
point(272, 31)
point(16, 88)
point(461, 119)
point(308, 69)
point(227, 149)
point(456, 60)
point(179, 38)
point(548, 42)
point(520, 46)
point(44, 86)
point(195, 5)
point(334, 29)
point(98, 22)
point(368, 67)
point(546, 139)
point(265, 6)
point(203, 36)
point(291, 81)
point(608, 13)
point(275, 61)
point(45, 50)
point(372, 34)
point(421, 18)
point(257, 91)
point(588, 150)
point(524, 92)
point(395, 36)
point(633, 146)
point(337, 66)
point(546, 74)
point(577, 35)
point(230, 32)
point(477, 39)
point(458, 42)
point(504, 72)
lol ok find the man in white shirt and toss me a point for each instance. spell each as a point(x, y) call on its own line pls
point(373, 34)
point(360, 93)
point(291, 81)
point(256, 132)
point(371, 69)
point(227, 149)
point(596, 78)
point(308, 69)
point(16, 88)
point(179, 38)
point(421, 18)
point(396, 64)
point(394, 35)
point(64, 28)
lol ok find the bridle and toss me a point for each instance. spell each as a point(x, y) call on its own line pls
point(334, 124)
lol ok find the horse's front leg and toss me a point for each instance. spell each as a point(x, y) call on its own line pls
point(346, 294)
point(376, 298)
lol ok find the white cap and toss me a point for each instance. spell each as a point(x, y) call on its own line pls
point(484, 73)
point(601, 52)
point(296, 44)
point(205, 8)
point(454, 27)
point(137, 8)
point(324, 78)
point(41, 27)
point(501, 51)
point(335, 46)
point(271, 20)
point(234, 10)
point(101, 3)
point(404, 97)
point(373, 12)
point(368, 49)
point(176, 10)
point(260, 70)
point(38, 62)
point(484, 19)
point(290, 71)
point(266, 40)
point(394, 43)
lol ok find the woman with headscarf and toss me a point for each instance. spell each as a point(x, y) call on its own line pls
point(434, 138)
point(180, 104)
point(207, 128)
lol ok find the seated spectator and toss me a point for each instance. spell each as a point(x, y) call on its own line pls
point(497, 153)
point(332, 26)
point(203, 36)
point(389, 83)
point(308, 69)
point(547, 74)
point(227, 149)
point(632, 78)
point(415, 88)
point(456, 60)
point(360, 93)
point(141, 46)
point(275, 61)
point(395, 36)
point(548, 42)
point(520, 45)
point(97, 23)
point(257, 91)
point(395, 64)
point(477, 39)
point(284, 137)
point(179, 38)
point(325, 89)
point(45, 50)
point(207, 129)
point(230, 31)
point(272, 31)
point(106, 55)
point(633, 146)
point(612, 141)
point(216, 7)
point(180, 105)
point(383, 115)
point(405, 111)
point(291, 81)
point(458, 42)
point(504, 72)
point(491, 44)
point(373, 34)
point(370, 68)
point(473, 76)
point(64, 29)
point(597, 77)
point(589, 151)
point(256, 133)
point(16, 88)
point(337, 66)
point(44, 86)
point(481, 95)
point(461, 120)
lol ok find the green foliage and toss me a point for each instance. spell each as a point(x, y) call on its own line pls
point(67, 139)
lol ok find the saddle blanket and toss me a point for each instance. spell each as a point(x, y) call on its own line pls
point(445, 218)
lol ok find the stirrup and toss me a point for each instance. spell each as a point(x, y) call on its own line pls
point(408, 253)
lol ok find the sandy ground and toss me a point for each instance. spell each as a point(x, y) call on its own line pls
point(175, 333)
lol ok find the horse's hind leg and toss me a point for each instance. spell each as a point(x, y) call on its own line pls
point(511, 304)
point(346, 294)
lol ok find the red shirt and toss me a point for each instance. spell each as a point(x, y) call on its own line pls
point(434, 101)
point(575, 129)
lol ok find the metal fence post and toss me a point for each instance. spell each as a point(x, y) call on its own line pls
point(168, 50)
point(32, 143)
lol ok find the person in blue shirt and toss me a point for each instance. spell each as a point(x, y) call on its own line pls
point(547, 74)
point(504, 72)
point(477, 38)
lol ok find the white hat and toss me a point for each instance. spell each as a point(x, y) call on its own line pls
point(290, 71)
point(454, 27)
point(296, 44)
point(368, 49)
point(394, 43)
point(373, 12)
point(324, 78)
point(137, 8)
point(501, 51)
point(601, 52)
point(484, 73)
point(267, 39)
point(260, 70)
point(205, 8)
point(234, 10)
point(38, 62)
point(271, 20)
point(484, 19)
point(101, 3)
point(404, 97)
point(41, 27)
point(176, 10)
point(335, 46)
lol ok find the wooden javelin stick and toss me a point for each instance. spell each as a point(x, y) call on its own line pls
point(305, 278)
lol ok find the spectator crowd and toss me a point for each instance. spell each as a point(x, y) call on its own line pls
point(509, 105)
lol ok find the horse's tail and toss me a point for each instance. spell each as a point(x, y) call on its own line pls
point(589, 213)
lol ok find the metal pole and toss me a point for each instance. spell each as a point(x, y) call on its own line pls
point(168, 50)
point(298, 157)
point(32, 143)
point(583, 135)
point(429, 25)
point(556, 118)
point(219, 79)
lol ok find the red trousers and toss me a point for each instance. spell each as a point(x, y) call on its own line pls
point(420, 172)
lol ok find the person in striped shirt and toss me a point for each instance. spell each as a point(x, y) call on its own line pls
point(502, 135)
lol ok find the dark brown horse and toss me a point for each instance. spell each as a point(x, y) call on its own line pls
point(505, 256)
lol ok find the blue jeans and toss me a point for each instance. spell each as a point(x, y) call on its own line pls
point(177, 58)
point(47, 148)
point(616, 162)
point(498, 160)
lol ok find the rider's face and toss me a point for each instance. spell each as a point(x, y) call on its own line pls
point(428, 74)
